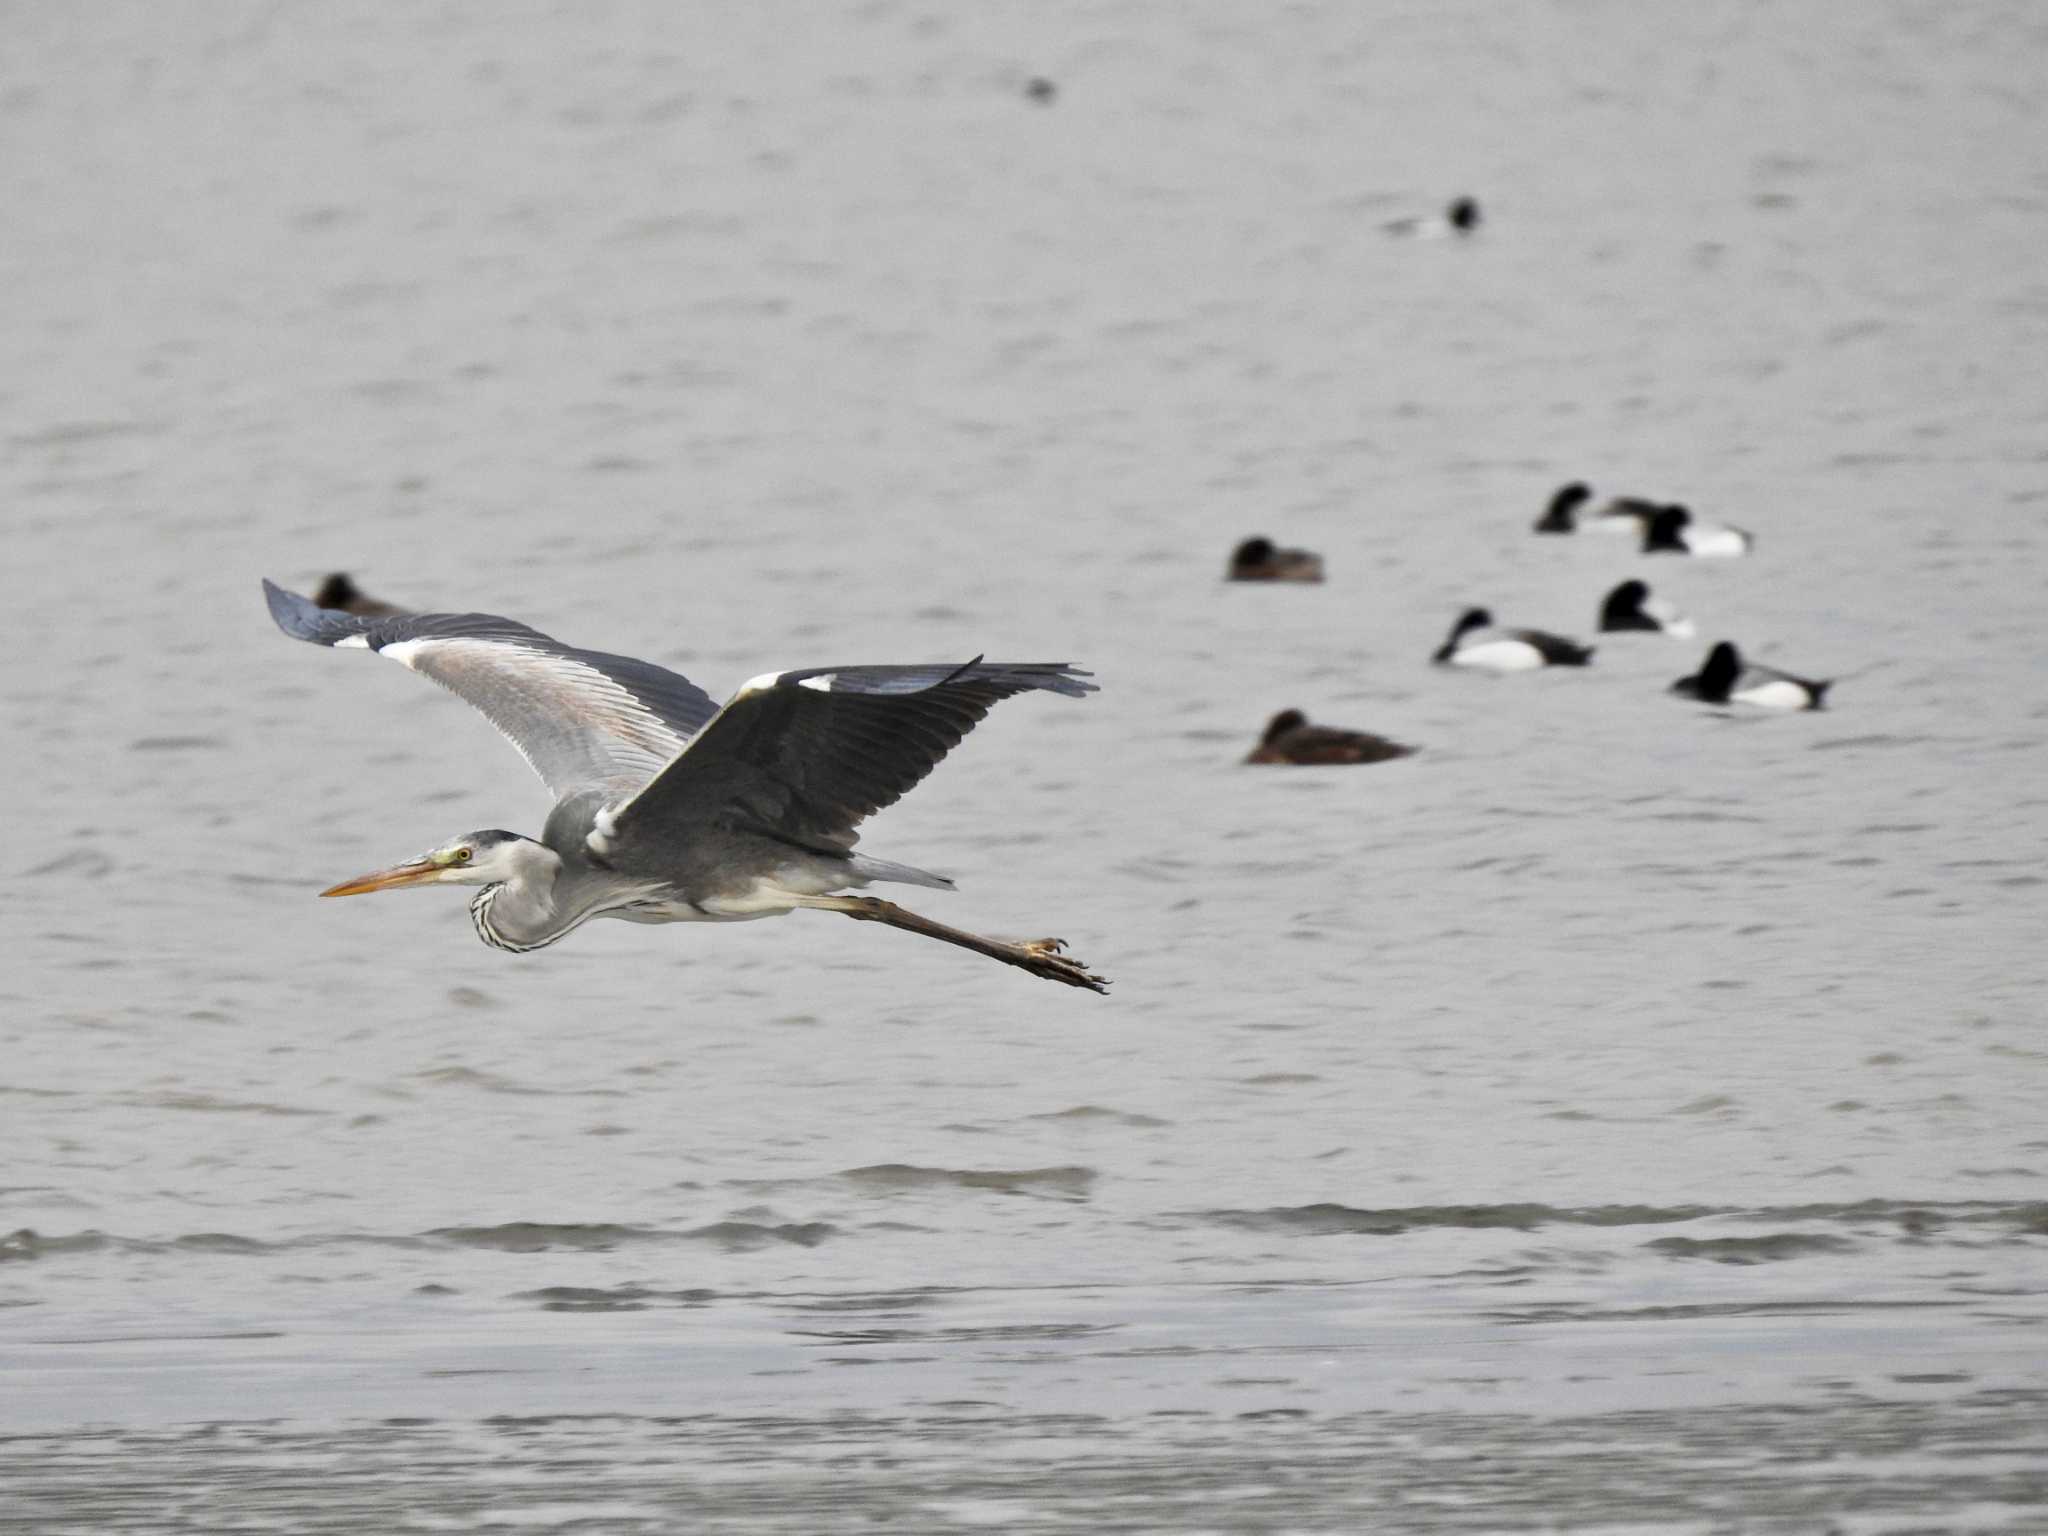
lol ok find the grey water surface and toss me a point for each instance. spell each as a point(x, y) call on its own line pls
point(1620, 1115)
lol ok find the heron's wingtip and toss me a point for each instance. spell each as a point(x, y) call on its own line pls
point(304, 619)
point(293, 614)
point(277, 600)
point(1061, 677)
point(1070, 680)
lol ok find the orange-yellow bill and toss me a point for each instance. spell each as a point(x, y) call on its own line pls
point(412, 872)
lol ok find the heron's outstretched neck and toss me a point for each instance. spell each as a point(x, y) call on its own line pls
point(520, 911)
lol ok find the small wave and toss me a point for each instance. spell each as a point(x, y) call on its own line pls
point(219, 1242)
point(1770, 1249)
point(1712, 1104)
point(207, 1103)
point(89, 863)
point(1066, 1183)
point(1565, 1312)
point(877, 1301)
point(25, 1244)
point(2026, 1218)
point(492, 1082)
point(2023, 1217)
point(1096, 1114)
point(601, 1237)
point(176, 743)
point(1328, 1219)
point(65, 434)
point(1837, 743)
point(994, 1333)
point(506, 1237)
point(746, 1236)
point(536, 1236)
point(616, 1298)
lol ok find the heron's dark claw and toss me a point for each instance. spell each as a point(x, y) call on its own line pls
point(1045, 959)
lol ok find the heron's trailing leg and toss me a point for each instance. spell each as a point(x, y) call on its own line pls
point(1041, 957)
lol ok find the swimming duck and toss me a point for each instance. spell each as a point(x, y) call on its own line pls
point(1460, 218)
point(1726, 678)
point(1622, 514)
point(1261, 560)
point(1630, 606)
point(1675, 531)
point(1290, 738)
point(1561, 516)
point(1474, 642)
point(338, 592)
point(1626, 514)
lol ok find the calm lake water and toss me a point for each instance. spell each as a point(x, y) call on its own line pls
point(1620, 1115)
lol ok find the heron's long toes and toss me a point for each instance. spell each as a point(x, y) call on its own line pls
point(1044, 959)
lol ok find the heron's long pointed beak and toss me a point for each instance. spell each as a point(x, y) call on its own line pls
point(412, 872)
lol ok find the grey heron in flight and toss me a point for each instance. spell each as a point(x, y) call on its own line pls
point(671, 808)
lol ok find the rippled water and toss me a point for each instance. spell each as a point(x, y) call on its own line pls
point(1618, 1115)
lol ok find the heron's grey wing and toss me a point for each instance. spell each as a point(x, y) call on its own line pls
point(809, 755)
point(579, 717)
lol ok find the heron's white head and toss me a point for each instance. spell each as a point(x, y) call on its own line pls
point(475, 858)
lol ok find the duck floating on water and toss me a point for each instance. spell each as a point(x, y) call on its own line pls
point(1260, 559)
point(1622, 514)
point(1462, 217)
point(1290, 738)
point(1674, 530)
point(1630, 607)
point(1474, 642)
point(1562, 515)
point(1725, 678)
point(342, 595)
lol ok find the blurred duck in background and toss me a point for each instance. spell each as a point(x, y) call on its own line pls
point(1630, 606)
point(1460, 218)
point(1567, 512)
point(1260, 559)
point(1290, 738)
point(1627, 514)
point(1675, 531)
point(1562, 515)
point(343, 595)
point(1725, 678)
point(1474, 642)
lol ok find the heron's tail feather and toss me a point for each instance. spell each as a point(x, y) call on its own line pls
point(865, 869)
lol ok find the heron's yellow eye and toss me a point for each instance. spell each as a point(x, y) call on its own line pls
point(462, 855)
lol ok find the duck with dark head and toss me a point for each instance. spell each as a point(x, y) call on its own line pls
point(1673, 530)
point(1561, 516)
point(342, 595)
point(1475, 642)
point(1290, 738)
point(1630, 607)
point(1726, 678)
point(1260, 559)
